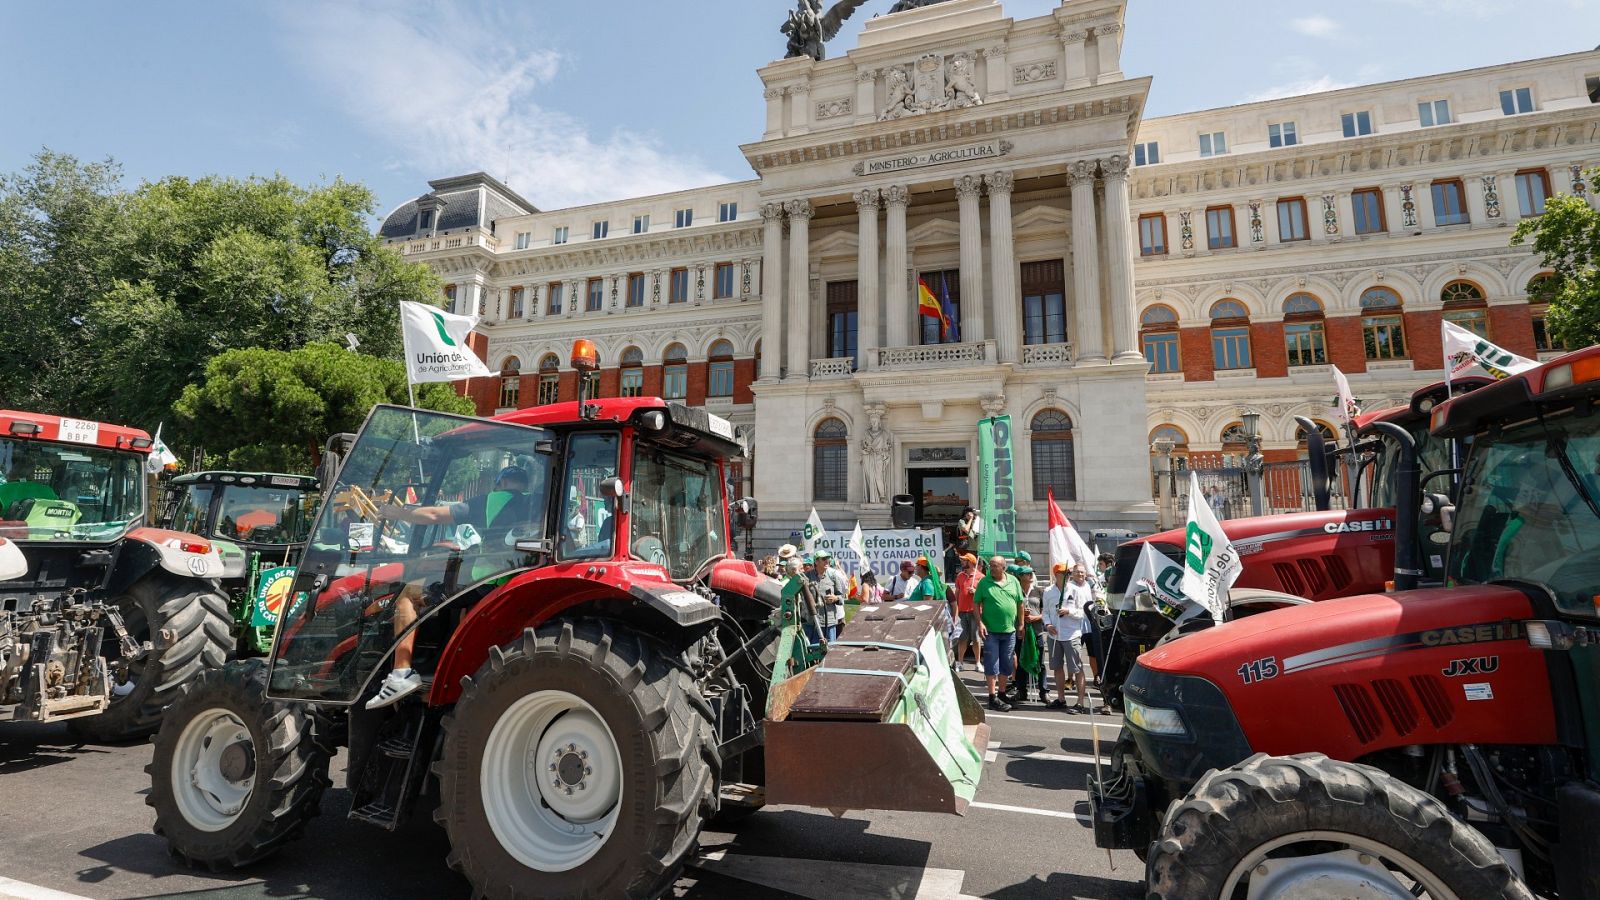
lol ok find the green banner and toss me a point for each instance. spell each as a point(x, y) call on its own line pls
point(996, 494)
point(269, 596)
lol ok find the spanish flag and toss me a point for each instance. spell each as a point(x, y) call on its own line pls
point(928, 305)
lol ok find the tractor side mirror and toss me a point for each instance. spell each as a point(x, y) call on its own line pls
point(1438, 508)
point(534, 545)
point(745, 513)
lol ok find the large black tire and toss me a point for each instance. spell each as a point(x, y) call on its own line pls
point(289, 767)
point(190, 631)
point(664, 736)
point(1232, 813)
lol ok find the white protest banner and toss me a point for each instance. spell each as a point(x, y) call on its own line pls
point(1467, 354)
point(436, 344)
point(1211, 564)
point(1163, 579)
point(858, 546)
point(885, 549)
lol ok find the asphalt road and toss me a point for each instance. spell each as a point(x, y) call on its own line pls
point(73, 820)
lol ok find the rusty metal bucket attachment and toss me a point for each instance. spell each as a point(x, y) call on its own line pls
point(881, 723)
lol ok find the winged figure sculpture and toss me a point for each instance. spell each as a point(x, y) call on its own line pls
point(810, 29)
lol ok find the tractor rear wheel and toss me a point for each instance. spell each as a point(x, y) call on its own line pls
point(1277, 828)
point(579, 762)
point(190, 631)
point(235, 776)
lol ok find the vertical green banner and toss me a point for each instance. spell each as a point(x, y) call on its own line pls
point(996, 494)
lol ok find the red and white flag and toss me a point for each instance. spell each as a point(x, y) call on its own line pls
point(1066, 545)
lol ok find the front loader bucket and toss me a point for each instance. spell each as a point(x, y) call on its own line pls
point(881, 723)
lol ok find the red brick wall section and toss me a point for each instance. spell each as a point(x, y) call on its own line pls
point(1423, 343)
point(744, 373)
point(1345, 348)
point(1512, 328)
point(652, 381)
point(1194, 351)
point(569, 387)
point(698, 375)
point(528, 393)
point(485, 394)
point(1267, 350)
point(610, 382)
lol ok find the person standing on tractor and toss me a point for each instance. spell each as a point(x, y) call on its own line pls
point(998, 599)
point(493, 515)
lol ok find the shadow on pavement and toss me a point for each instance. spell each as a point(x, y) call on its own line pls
point(1068, 886)
point(25, 746)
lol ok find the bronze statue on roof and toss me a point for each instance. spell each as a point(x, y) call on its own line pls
point(810, 29)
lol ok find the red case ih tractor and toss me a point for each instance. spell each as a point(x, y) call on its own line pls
point(101, 619)
point(1451, 735)
point(605, 674)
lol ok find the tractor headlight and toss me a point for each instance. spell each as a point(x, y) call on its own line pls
point(1154, 719)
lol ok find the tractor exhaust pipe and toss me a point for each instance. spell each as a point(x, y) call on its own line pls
point(1317, 462)
point(1408, 492)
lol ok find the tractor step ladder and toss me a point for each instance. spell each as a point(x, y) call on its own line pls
point(394, 775)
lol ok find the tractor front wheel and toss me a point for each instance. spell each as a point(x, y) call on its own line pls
point(579, 762)
point(1277, 828)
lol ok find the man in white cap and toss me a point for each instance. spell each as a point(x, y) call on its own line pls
point(832, 588)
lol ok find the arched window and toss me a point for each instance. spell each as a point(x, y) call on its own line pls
point(1235, 445)
point(549, 379)
point(719, 373)
point(1052, 456)
point(510, 382)
point(675, 372)
point(1305, 341)
point(1180, 450)
point(1465, 305)
point(1323, 427)
point(830, 462)
point(1383, 328)
point(632, 380)
point(1158, 329)
point(1230, 335)
point(1541, 290)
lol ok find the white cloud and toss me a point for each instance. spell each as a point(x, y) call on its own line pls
point(1296, 88)
point(453, 92)
point(1317, 26)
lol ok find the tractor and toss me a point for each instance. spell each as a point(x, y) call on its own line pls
point(101, 618)
point(1297, 558)
point(601, 675)
point(1443, 741)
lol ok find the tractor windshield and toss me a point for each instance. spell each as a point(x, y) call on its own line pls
point(68, 493)
point(677, 511)
point(430, 513)
point(262, 514)
point(1530, 510)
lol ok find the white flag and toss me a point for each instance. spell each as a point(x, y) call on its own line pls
point(814, 531)
point(1210, 563)
point(858, 544)
point(1345, 406)
point(1163, 579)
point(436, 344)
point(1066, 544)
point(1467, 354)
point(160, 457)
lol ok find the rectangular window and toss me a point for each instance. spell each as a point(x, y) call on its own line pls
point(524, 239)
point(426, 221)
point(843, 321)
point(549, 389)
point(1230, 348)
point(1434, 112)
point(1147, 154)
point(1356, 124)
point(1305, 343)
point(1533, 189)
point(1449, 203)
point(719, 379)
point(675, 382)
point(1219, 228)
point(555, 297)
point(727, 212)
point(1152, 234)
point(1292, 225)
point(641, 224)
point(1591, 85)
point(597, 295)
point(1542, 341)
point(509, 388)
point(1161, 349)
point(632, 382)
point(636, 290)
point(941, 284)
point(1044, 302)
point(683, 218)
point(678, 286)
point(1213, 144)
point(1516, 100)
point(515, 306)
point(559, 236)
point(1473, 320)
point(1384, 337)
point(1282, 134)
point(830, 471)
point(722, 283)
point(450, 297)
point(600, 229)
point(1368, 206)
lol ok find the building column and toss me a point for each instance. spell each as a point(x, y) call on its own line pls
point(1075, 59)
point(895, 307)
point(1003, 270)
point(1089, 346)
point(799, 344)
point(867, 306)
point(771, 291)
point(1119, 250)
point(1423, 195)
point(968, 190)
point(1347, 215)
point(1319, 206)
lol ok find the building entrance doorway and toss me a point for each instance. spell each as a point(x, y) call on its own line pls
point(941, 494)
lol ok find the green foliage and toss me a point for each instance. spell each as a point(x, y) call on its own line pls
point(1567, 239)
point(271, 409)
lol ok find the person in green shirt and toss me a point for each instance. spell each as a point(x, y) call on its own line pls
point(998, 599)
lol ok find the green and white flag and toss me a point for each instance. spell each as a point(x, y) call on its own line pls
point(1162, 578)
point(814, 531)
point(1210, 563)
point(858, 545)
point(1467, 354)
point(436, 344)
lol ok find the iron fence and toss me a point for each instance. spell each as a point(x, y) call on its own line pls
point(1285, 488)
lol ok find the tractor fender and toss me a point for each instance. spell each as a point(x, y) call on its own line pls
point(1262, 599)
point(12, 563)
point(150, 548)
point(640, 593)
point(235, 561)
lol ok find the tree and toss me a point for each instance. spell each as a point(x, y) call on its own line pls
point(272, 409)
point(1567, 239)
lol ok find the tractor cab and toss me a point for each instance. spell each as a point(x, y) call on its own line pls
point(256, 511)
point(81, 484)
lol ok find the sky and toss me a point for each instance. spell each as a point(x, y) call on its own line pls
point(580, 102)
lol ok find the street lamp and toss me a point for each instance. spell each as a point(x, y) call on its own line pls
point(1162, 466)
point(1254, 462)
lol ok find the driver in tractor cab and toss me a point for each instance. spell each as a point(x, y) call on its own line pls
point(495, 516)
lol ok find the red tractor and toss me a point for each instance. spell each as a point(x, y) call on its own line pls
point(600, 673)
point(101, 618)
point(1449, 736)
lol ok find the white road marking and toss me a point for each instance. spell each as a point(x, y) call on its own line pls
point(1103, 722)
point(826, 879)
point(1048, 757)
point(21, 890)
point(1052, 813)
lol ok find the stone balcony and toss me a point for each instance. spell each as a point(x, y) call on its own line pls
point(455, 240)
point(1046, 355)
point(937, 356)
point(834, 367)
